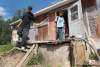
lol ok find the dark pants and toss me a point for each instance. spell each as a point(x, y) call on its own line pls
point(60, 33)
point(23, 33)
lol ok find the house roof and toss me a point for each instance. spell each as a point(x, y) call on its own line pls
point(47, 9)
point(52, 7)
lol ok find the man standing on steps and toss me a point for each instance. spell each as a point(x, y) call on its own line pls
point(24, 26)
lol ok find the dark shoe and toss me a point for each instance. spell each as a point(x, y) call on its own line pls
point(18, 44)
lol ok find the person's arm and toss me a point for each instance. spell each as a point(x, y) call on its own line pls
point(21, 20)
point(56, 19)
point(32, 17)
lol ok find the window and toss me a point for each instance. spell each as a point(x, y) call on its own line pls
point(74, 12)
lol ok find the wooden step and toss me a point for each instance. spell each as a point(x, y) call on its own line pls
point(28, 55)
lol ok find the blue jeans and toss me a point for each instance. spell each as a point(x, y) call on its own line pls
point(60, 33)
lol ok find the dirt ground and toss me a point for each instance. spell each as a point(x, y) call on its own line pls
point(11, 59)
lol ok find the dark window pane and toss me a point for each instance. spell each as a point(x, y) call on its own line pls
point(74, 12)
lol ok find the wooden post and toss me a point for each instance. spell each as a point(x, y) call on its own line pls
point(71, 54)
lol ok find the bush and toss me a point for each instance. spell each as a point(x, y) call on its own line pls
point(36, 59)
point(93, 56)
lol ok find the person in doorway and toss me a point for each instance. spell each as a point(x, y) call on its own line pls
point(24, 26)
point(59, 25)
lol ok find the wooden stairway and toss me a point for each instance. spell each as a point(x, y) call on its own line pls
point(29, 53)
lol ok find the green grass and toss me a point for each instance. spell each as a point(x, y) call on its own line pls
point(5, 48)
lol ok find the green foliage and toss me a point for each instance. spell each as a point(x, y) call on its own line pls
point(5, 32)
point(59, 65)
point(93, 56)
point(5, 48)
point(19, 13)
point(48, 65)
point(36, 59)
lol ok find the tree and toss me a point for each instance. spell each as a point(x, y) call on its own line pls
point(5, 32)
point(19, 13)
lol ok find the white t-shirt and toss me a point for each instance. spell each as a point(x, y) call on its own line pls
point(60, 21)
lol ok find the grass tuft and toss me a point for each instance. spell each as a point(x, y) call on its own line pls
point(6, 48)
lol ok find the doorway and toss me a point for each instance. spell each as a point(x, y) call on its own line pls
point(65, 15)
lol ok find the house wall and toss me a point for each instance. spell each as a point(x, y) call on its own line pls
point(41, 17)
point(42, 30)
point(43, 33)
point(64, 54)
point(90, 14)
point(47, 32)
point(51, 27)
point(55, 56)
point(88, 3)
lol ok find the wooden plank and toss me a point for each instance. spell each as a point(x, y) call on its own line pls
point(80, 53)
point(27, 56)
point(50, 41)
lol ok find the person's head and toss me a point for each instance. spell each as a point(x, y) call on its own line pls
point(59, 13)
point(29, 9)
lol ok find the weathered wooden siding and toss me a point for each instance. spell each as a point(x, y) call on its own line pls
point(42, 29)
point(47, 32)
point(43, 33)
point(98, 26)
point(91, 15)
point(79, 52)
point(51, 26)
point(88, 3)
point(41, 17)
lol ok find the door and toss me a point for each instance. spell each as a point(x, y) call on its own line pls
point(75, 17)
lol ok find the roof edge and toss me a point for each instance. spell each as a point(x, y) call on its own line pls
point(49, 8)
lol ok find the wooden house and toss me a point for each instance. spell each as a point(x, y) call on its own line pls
point(80, 20)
